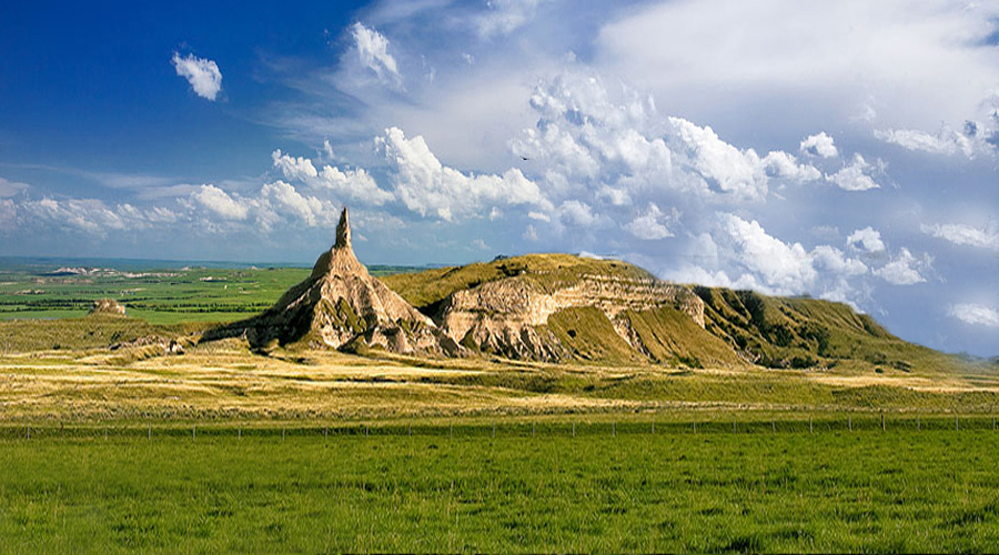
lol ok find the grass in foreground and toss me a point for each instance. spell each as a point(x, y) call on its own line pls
point(898, 491)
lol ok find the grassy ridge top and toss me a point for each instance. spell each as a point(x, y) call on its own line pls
point(546, 270)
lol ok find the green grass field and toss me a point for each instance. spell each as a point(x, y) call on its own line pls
point(157, 295)
point(904, 490)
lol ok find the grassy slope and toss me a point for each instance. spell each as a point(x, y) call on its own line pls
point(902, 491)
point(545, 270)
point(779, 332)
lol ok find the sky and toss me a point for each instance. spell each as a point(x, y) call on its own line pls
point(844, 150)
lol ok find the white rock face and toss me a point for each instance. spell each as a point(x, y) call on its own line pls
point(504, 315)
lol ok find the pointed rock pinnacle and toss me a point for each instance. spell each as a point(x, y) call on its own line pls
point(343, 232)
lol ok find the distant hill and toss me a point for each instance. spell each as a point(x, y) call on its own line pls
point(564, 307)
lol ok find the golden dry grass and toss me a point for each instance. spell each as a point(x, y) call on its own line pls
point(225, 381)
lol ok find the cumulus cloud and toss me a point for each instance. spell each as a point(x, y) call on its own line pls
point(867, 239)
point(975, 314)
point(819, 145)
point(773, 266)
point(372, 51)
point(11, 188)
point(426, 186)
point(904, 269)
point(960, 234)
point(353, 184)
point(854, 176)
point(651, 225)
point(203, 74)
point(617, 149)
point(90, 216)
point(219, 202)
point(310, 210)
point(576, 213)
point(787, 268)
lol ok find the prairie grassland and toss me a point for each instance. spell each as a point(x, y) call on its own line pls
point(831, 491)
point(224, 380)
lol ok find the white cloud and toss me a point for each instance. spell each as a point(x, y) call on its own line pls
point(651, 225)
point(310, 210)
point(853, 176)
point(505, 16)
point(787, 268)
point(724, 167)
point(356, 184)
point(867, 239)
point(960, 234)
point(916, 63)
point(782, 164)
point(904, 269)
point(782, 268)
point(975, 314)
point(426, 186)
point(530, 233)
point(8, 215)
point(819, 145)
point(203, 74)
point(577, 213)
point(971, 141)
point(619, 148)
point(372, 50)
point(11, 188)
point(90, 216)
point(219, 202)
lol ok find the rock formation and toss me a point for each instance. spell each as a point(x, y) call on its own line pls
point(342, 306)
point(509, 316)
point(107, 307)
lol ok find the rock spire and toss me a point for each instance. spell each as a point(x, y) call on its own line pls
point(342, 306)
point(343, 232)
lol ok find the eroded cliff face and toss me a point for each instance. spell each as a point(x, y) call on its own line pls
point(509, 316)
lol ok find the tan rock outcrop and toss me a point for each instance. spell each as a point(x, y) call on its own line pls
point(342, 306)
point(107, 307)
point(507, 316)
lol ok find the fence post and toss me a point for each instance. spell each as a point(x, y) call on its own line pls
point(773, 426)
point(957, 423)
point(194, 432)
point(695, 426)
point(574, 429)
point(810, 425)
point(450, 430)
point(613, 429)
point(849, 422)
point(149, 431)
point(282, 433)
point(882, 421)
point(29, 431)
point(532, 429)
point(494, 429)
point(410, 429)
point(105, 433)
point(239, 431)
point(653, 425)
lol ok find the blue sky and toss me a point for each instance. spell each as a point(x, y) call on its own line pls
point(845, 150)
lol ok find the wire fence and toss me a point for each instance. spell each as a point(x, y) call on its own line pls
point(520, 428)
